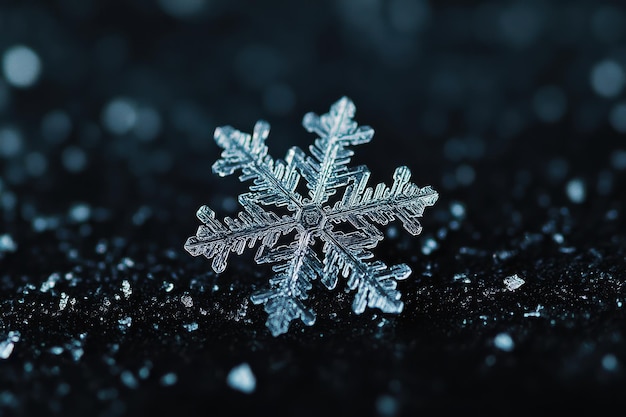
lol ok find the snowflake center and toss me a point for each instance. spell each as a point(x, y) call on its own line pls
point(312, 217)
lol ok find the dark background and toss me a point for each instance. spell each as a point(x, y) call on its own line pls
point(514, 111)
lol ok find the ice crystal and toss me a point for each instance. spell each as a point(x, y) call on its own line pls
point(313, 219)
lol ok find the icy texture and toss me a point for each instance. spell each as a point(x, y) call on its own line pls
point(312, 218)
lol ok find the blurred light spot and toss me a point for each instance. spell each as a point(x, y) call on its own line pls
point(11, 142)
point(549, 104)
point(557, 169)
point(607, 78)
point(408, 16)
point(56, 126)
point(74, 159)
point(465, 175)
point(609, 362)
point(259, 65)
point(119, 116)
point(607, 23)
point(576, 190)
point(183, 8)
point(618, 159)
point(520, 24)
point(504, 342)
point(21, 66)
point(148, 124)
point(80, 212)
point(456, 149)
point(457, 210)
point(279, 99)
point(36, 164)
point(617, 117)
point(387, 406)
point(605, 182)
point(169, 379)
point(242, 379)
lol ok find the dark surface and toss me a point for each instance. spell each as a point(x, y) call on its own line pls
point(454, 90)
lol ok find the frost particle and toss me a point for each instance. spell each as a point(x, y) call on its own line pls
point(129, 379)
point(186, 300)
point(126, 290)
point(191, 326)
point(242, 379)
point(513, 282)
point(63, 301)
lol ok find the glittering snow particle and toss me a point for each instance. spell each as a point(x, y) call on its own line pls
point(314, 220)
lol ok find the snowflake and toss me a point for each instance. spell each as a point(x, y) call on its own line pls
point(344, 230)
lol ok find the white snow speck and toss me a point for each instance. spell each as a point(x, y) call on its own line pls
point(190, 327)
point(63, 301)
point(186, 300)
point(126, 290)
point(513, 282)
point(504, 342)
point(242, 379)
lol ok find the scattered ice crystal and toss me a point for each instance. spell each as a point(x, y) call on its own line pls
point(186, 300)
point(191, 327)
point(242, 379)
point(513, 282)
point(63, 301)
point(504, 342)
point(126, 290)
point(21, 66)
point(313, 219)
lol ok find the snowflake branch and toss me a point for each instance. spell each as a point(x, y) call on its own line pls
point(299, 266)
point(326, 170)
point(216, 241)
point(274, 181)
point(375, 282)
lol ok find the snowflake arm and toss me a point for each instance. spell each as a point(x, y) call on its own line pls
point(326, 170)
point(404, 201)
point(216, 240)
point(274, 182)
point(297, 267)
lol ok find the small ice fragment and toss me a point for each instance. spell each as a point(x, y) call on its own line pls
point(558, 238)
point(609, 362)
point(513, 282)
point(129, 379)
point(535, 313)
point(63, 301)
point(169, 379)
point(186, 300)
point(461, 277)
point(50, 283)
point(7, 345)
point(168, 286)
point(125, 264)
point(126, 290)
point(576, 191)
point(101, 248)
point(125, 322)
point(7, 244)
point(242, 379)
point(504, 342)
point(191, 326)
